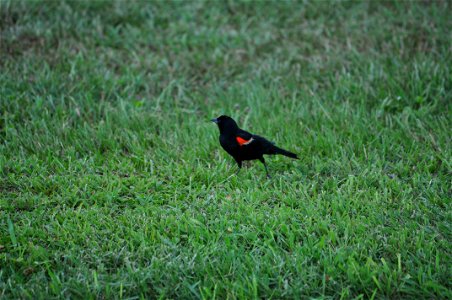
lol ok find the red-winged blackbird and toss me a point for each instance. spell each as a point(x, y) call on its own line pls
point(242, 145)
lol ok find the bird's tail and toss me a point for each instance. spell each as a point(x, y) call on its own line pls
point(285, 153)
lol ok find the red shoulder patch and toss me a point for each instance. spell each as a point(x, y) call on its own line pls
point(242, 141)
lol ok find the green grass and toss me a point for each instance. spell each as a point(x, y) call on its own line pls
point(113, 183)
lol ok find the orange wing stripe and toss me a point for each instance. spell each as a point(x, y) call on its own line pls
point(242, 141)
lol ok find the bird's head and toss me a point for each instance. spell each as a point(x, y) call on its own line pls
point(226, 124)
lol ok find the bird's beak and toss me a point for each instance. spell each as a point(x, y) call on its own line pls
point(215, 120)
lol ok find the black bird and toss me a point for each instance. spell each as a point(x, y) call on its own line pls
point(242, 145)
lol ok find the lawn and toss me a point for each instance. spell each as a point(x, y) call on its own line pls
point(113, 183)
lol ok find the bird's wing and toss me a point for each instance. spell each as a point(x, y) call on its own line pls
point(244, 138)
point(262, 139)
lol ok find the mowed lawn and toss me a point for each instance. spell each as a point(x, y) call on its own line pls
point(113, 183)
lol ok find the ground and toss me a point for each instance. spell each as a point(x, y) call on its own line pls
point(113, 183)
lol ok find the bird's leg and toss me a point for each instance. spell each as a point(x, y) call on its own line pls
point(239, 163)
point(265, 165)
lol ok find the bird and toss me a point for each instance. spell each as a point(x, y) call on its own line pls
point(242, 145)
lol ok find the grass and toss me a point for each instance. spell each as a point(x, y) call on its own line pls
point(113, 183)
